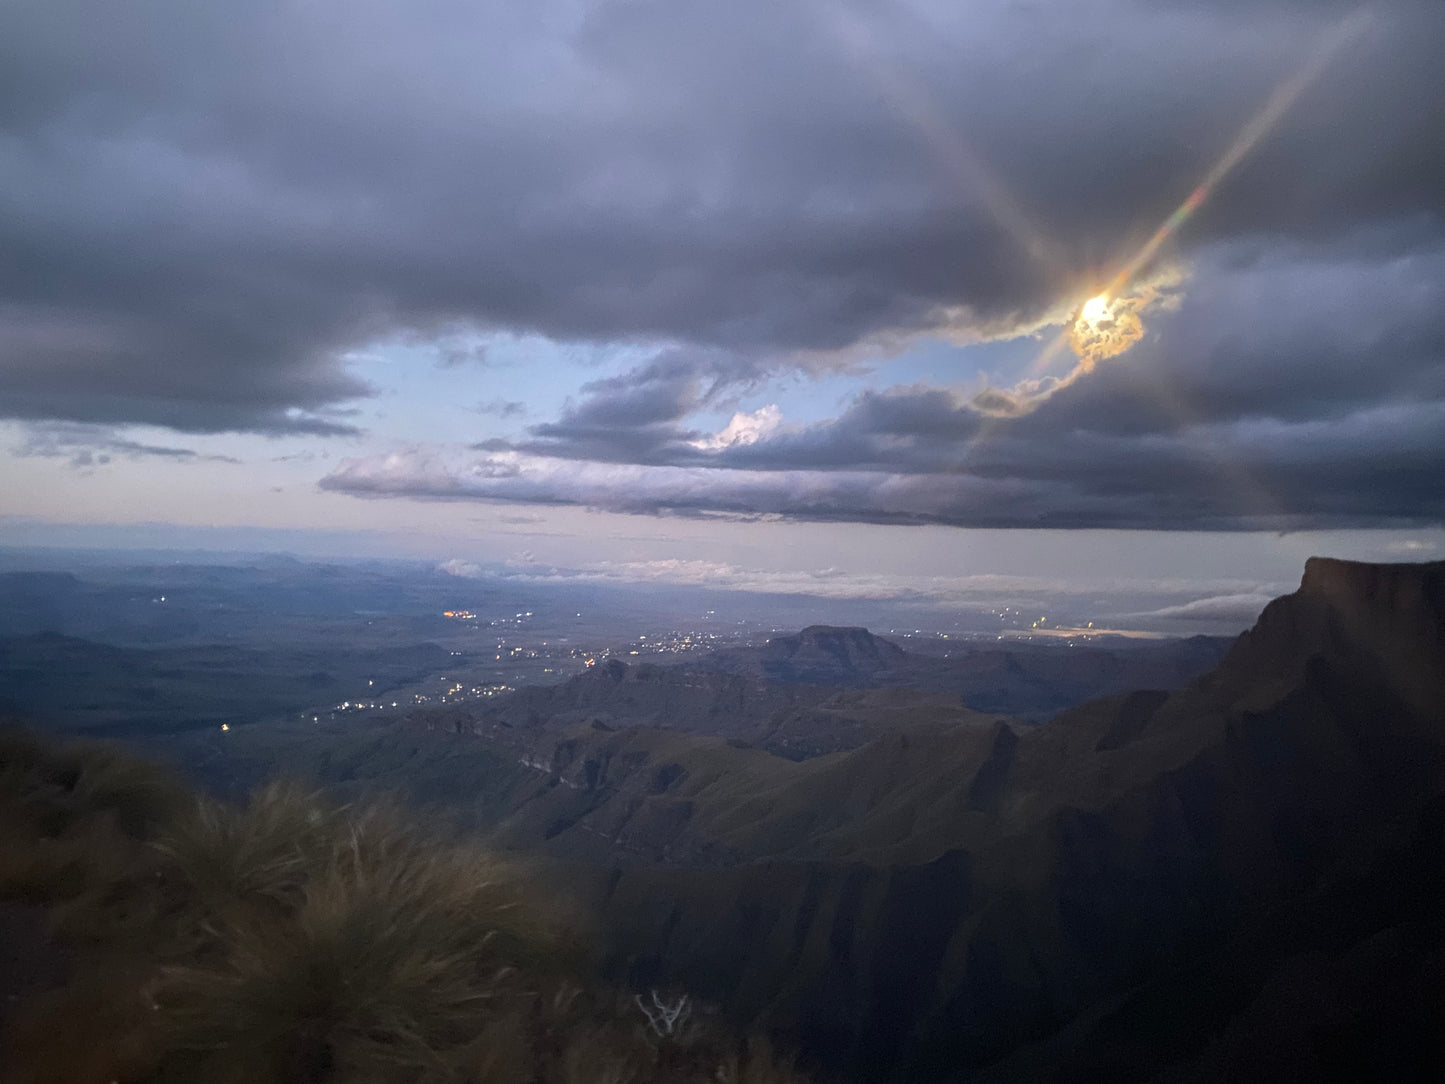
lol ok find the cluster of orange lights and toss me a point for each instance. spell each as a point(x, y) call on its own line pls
point(460, 615)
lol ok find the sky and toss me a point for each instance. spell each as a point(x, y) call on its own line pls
point(882, 296)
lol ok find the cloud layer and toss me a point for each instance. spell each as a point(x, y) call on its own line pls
point(986, 602)
point(205, 209)
point(1292, 390)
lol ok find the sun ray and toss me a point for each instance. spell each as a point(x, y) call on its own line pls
point(970, 171)
point(965, 166)
point(1280, 101)
point(1278, 104)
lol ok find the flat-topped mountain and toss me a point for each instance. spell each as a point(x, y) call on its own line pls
point(822, 654)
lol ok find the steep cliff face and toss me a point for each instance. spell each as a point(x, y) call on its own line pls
point(1106, 894)
point(1384, 621)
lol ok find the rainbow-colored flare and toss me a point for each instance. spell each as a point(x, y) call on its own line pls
point(1279, 103)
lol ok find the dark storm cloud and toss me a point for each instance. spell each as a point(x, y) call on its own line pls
point(203, 206)
point(1279, 480)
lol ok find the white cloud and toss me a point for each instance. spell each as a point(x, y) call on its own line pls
point(744, 429)
point(1413, 547)
point(1243, 608)
point(975, 592)
point(465, 569)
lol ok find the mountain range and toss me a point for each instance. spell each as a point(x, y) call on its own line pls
point(1229, 872)
point(828, 689)
point(1233, 878)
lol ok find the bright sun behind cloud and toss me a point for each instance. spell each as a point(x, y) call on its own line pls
point(1095, 309)
point(1106, 327)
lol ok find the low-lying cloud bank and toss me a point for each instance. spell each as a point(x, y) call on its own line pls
point(1242, 608)
point(985, 602)
point(1249, 476)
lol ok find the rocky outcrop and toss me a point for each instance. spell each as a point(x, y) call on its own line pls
point(1384, 622)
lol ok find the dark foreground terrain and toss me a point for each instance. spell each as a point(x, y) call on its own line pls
point(1236, 878)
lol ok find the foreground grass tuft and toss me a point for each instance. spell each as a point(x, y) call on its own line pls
point(295, 940)
point(326, 942)
point(75, 818)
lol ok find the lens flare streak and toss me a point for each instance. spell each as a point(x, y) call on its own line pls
point(963, 163)
point(1279, 103)
point(996, 406)
point(1276, 106)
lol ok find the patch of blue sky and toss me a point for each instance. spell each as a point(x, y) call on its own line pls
point(804, 399)
point(470, 387)
point(456, 389)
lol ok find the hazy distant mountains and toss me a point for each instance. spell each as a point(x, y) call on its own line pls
point(828, 689)
point(164, 647)
point(1021, 678)
point(79, 686)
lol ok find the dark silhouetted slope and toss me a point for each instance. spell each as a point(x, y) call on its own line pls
point(1130, 890)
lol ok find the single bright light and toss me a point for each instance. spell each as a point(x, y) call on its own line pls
point(1107, 326)
point(1095, 309)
